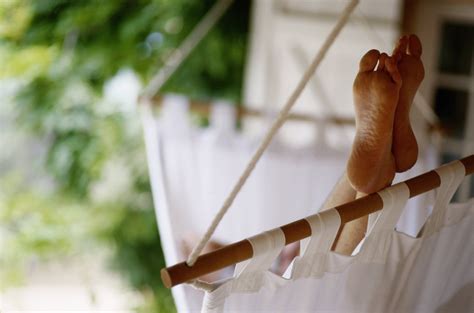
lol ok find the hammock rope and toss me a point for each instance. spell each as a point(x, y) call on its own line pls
point(187, 46)
point(282, 116)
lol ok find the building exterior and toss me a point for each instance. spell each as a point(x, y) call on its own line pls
point(286, 34)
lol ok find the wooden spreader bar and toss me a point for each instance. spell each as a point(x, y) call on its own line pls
point(295, 231)
point(204, 108)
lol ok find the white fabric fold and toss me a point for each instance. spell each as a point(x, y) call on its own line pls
point(266, 247)
point(432, 274)
point(392, 273)
point(250, 275)
point(324, 228)
point(451, 175)
point(377, 242)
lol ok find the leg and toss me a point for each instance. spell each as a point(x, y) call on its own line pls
point(371, 166)
point(341, 193)
point(403, 144)
point(351, 233)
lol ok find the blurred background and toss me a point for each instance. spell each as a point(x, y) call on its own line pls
point(78, 228)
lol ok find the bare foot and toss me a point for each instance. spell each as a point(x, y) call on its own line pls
point(405, 147)
point(371, 165)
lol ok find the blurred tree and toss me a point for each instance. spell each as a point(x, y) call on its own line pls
point(62, 52)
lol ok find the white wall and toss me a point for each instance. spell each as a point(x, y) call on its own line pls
point(286, 34)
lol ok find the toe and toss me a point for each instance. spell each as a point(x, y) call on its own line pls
point(382, 59)
point(369, 61)
point(392, 69)
point(401, 47)
point(414, 46)
point(397, 55)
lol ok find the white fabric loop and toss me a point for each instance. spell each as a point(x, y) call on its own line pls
point(394, 199)
point(324, 228)
point(451, 176)
point(434, 275)
point(176, 116)
point(377, 242)
point(202, 285)
point(266, 248)
point(223, 116)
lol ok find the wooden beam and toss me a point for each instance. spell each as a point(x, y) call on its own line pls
point(204, 108)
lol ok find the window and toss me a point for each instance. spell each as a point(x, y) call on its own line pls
point(457, 42)
point(454, 92)
point(451, 107)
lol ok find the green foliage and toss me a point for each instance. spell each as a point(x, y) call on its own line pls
point(63, 52)
point(26, 213)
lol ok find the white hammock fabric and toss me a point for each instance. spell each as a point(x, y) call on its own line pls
point(192, 170)
point(393, 272)
point(202, 164)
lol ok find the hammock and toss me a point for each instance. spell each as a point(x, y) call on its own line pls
point(191, 171)
point(393, 272)
point(391, 261)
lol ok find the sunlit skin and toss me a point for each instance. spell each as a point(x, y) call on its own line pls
point(383, 92)
point(384, 142)
point(404, 147)
point(376, 88)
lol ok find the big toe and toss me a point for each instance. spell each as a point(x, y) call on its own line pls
point(401, 46)
point(369, 61)
point(414, 46)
